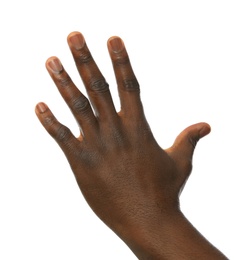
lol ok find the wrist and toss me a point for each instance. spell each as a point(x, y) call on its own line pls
point(170, 236)
point(149, 238)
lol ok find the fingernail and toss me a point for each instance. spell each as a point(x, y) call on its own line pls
point(77, 40)
point(55, 65)
point(41, 107)
point(116, 44)
point(204, 131)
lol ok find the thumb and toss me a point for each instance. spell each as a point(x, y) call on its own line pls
point(186, 141)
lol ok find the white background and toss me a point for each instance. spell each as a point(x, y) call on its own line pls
point(183, 53)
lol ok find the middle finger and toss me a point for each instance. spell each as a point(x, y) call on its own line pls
point(95, 83)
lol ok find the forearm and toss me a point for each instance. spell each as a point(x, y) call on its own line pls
point(172, 238)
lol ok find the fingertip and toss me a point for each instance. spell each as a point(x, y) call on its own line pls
point(76, 40)
point(113, 37)
point(54, 65)
point(73, 33)
point(41, 108)
point(205, 130)
point(51, 58)
point(115, 44)
point(193, 134)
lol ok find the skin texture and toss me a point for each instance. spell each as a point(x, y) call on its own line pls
point(129, 181)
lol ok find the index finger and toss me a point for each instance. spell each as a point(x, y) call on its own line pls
point(128, 86)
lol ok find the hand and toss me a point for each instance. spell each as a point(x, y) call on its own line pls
point(129, 181)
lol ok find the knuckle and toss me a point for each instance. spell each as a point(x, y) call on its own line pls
point(119, 137)
point(62, 134)
point(115, 139)
point(121, 60)
point(80, 104)
point(193, 141)
point(64, 81)
point(48, 121)
point(84, 56)
point(58, 131)
point(99, 85)
point(130, 84)
point(90, 159)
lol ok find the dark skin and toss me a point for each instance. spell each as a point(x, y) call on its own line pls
point(130, 182)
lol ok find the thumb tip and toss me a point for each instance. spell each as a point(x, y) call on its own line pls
point(205, 130)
